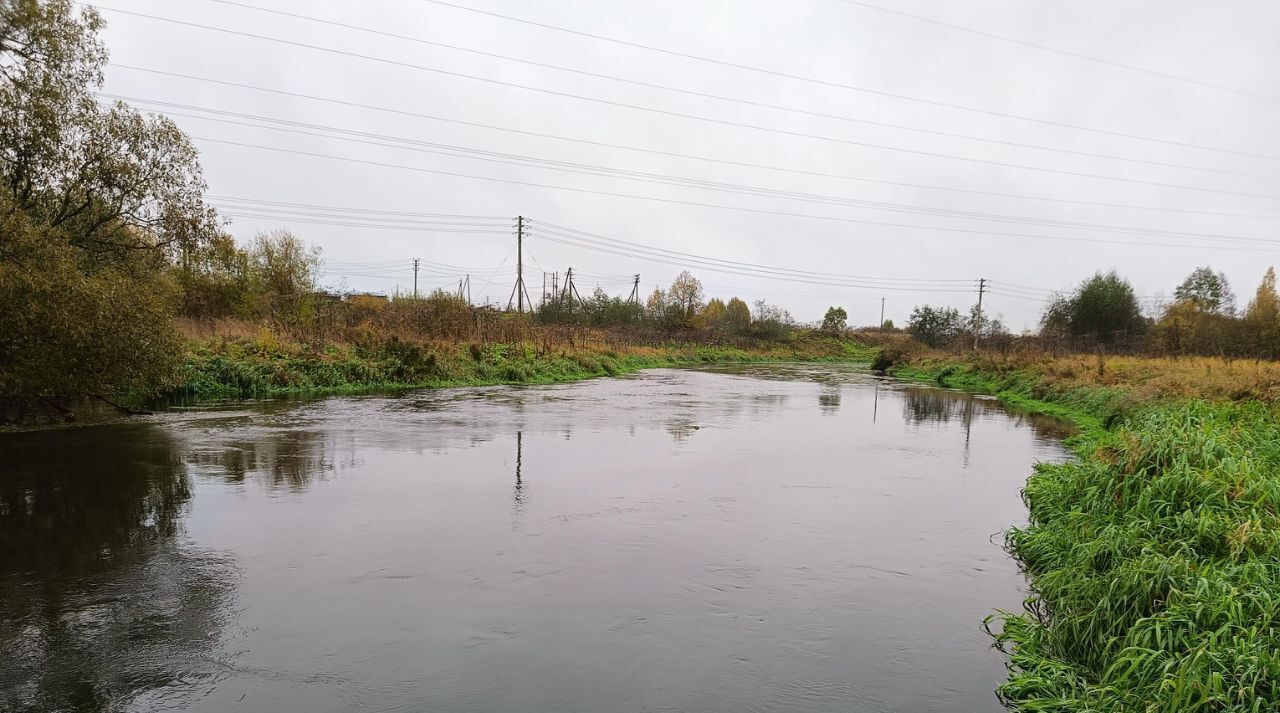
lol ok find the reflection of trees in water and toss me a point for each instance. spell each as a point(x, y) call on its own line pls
point(829, 398)
point(290, 459)
point(99, 600)
point(680, 429)
point(921, 405)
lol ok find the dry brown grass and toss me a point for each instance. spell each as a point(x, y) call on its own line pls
point(201, 330)
point(1150, 378)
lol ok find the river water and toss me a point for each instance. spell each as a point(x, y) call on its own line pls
point(759, 538)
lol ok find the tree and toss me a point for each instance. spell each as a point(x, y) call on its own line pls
point(282, 265)
point(1207, 291)
point(110, 179)
point(686, 294)
point(935, 325)
point(1262, 317)
point(713, 314)
point(95, 205)
point(771, 321)
point(1103, 307)
point(215, 280)
point(888, 325)
point(834, 320)
point(655, 306)
point(985, 325)
point(737, 316)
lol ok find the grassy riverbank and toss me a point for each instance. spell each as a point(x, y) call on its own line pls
point(1155, 555)
point(264, 365)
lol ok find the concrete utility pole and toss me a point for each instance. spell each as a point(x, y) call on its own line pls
point(977, 318)
point(415, 278)
point(881, 313)
point(518, 292)
point(520, 262)
point(568, 288)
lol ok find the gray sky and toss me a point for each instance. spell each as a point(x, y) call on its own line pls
point(1226, 44)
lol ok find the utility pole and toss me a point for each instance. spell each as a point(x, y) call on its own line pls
point(977, 318)
point(468, 289)
point(568, 288)
point(881, 313)
point(635, 291)
point(518, 292)
point(415, 278)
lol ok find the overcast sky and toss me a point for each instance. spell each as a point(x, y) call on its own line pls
point(1209, 200)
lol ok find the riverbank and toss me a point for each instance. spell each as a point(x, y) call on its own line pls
point(1155, 556)
point(265, 366)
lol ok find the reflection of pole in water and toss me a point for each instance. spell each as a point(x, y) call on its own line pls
point(518, 505)
point(875, 404)
point(968, 423)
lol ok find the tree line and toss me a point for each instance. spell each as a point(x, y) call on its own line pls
point(681, 306)
point(1105, 312)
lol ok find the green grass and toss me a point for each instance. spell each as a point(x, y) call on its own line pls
point(247, 368)
point(1154, 555)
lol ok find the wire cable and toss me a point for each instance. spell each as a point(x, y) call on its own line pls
point(694, 117)
point(740, 101)
point(666, 179)
point(1055, 50)
point(850, 87)
point(744, 209)
point(695, 157)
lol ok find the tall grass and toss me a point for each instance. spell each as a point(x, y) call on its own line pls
point(1155, 555)
point(230, 363)
point(1156, 563)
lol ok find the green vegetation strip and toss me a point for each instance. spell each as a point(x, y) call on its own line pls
point(249, 368)
point(1154, 556)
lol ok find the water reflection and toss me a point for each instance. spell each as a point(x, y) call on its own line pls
point(94, 565)
point(519, 495)
point(697, 541)
point(925, 405)
point(278, 458)
point(829, 399)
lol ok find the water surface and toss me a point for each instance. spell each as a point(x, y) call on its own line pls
point(763, 538)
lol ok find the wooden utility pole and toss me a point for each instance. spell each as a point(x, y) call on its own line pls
point(977, 318)
point(415, 278)
point(635, 291)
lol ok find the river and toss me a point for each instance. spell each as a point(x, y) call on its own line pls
point(750, 538)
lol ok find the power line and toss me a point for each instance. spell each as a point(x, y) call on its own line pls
point(320, 213)
point(353, 224)
point(666, 179)
point(1055, 50)
point(497, 219)
point(695, 157)
point(735, 263)
point(552, 237)
point(839, 85)
point(737, 100)
point(744, 209)
point(695, 117)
